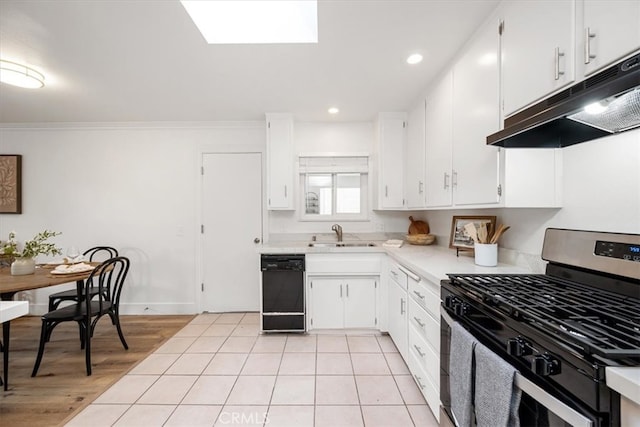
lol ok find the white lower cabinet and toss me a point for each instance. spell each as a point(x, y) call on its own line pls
point(397, 316)
point(343, 302)
point(424, 339)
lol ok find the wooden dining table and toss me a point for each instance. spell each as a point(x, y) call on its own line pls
point(41, 278)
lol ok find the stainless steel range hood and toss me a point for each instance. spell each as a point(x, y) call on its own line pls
point(606, 103)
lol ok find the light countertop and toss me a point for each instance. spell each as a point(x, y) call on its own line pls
point(625, 380)
point(11, 309)
point(431, 262)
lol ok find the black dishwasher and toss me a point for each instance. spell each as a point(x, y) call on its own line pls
point(283, 293)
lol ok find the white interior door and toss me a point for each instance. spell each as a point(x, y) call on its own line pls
point(232, 221)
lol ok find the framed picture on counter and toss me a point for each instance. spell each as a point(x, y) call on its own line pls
point(10, 184)
point(460, 239)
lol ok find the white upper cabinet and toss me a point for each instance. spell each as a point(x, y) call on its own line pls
point(538, 52)
point(438, 137)
point(611, 30)
point(391, 141)
point(476, 114)
point(415, 160)
point(280, 161)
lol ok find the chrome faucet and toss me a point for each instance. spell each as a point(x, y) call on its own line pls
point(338, 229)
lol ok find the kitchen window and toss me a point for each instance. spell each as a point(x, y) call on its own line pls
point(334, 188)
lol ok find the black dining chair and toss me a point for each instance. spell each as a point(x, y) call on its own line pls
point(98, 253)
point(111, 275)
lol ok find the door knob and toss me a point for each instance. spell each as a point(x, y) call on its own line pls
point(256, 240)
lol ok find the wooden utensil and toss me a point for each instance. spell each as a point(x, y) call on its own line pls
point(471, 231)
point(499, 232)
point(482, 233)
point(418, 227)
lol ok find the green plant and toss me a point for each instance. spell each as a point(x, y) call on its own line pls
point(32, 248)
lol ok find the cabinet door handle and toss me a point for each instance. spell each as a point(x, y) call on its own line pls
point(454, 181)
point(419, 382)
point(285, 191)
point(401, 306)
point(347, 290)
point(588, 35)
point(418, 294)
point(418, 350)
point(386, 191)
point(557, 55)
point(419, 322)
point(420, 187)
point(340, 291)
point(446, 180)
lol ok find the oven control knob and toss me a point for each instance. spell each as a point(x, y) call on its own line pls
point(545, 365)
point(460, 308)
point(518, 347)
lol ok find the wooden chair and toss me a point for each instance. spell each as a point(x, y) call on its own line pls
point(98, 253)
point(111, 275)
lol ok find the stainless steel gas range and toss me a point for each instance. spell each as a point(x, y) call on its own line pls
point(559, 330)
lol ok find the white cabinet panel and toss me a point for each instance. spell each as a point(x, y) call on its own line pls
point(280, 161)
point(537, 50)
point(611, 30)
point(415, 160)
point(391, 141)
point(360, 303)
point(476, 114)
point(438, 137)
point(326, 303)
point(397, 317)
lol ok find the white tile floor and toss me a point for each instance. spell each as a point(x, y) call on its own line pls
point(219, 371)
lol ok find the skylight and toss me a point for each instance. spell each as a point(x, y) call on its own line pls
point(263, 21)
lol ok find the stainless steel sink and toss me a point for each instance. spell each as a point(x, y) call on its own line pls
point(340, 244)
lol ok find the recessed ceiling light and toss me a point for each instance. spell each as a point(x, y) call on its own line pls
point(416, 58)
point(250, 21)
point(20, 75)
point(333, 110)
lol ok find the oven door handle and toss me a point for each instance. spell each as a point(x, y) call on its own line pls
point(559, 408)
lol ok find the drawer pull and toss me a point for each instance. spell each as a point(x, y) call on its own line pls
point(418, 322)
point(419, 382)
point(401, 306)
point(419, 294)
point(418, 350)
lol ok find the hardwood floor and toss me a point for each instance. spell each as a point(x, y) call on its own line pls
point(62, 386)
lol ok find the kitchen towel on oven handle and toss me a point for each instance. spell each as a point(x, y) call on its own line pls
point(496, 397)
point(461, 374)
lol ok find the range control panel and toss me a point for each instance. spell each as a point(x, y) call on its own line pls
point(623, 251)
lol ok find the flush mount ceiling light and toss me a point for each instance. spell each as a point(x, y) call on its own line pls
point(333, 110)
point(416, 58)
point(20, 75)
point(264, 21)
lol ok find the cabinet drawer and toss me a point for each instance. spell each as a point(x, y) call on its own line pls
point(425, 325)
point(397, 275)
point(425, 354)
point(430, 391)
point(427, 295)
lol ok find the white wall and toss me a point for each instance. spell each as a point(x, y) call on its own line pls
point(134, 188)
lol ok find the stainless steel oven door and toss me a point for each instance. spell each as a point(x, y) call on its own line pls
point(537, 408)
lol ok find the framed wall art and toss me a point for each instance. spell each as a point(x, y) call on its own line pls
point(460, 239)
point(10, 184)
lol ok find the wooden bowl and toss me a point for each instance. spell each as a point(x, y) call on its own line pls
point(420, 239)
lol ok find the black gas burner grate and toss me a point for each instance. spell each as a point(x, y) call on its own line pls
point(603, 323)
